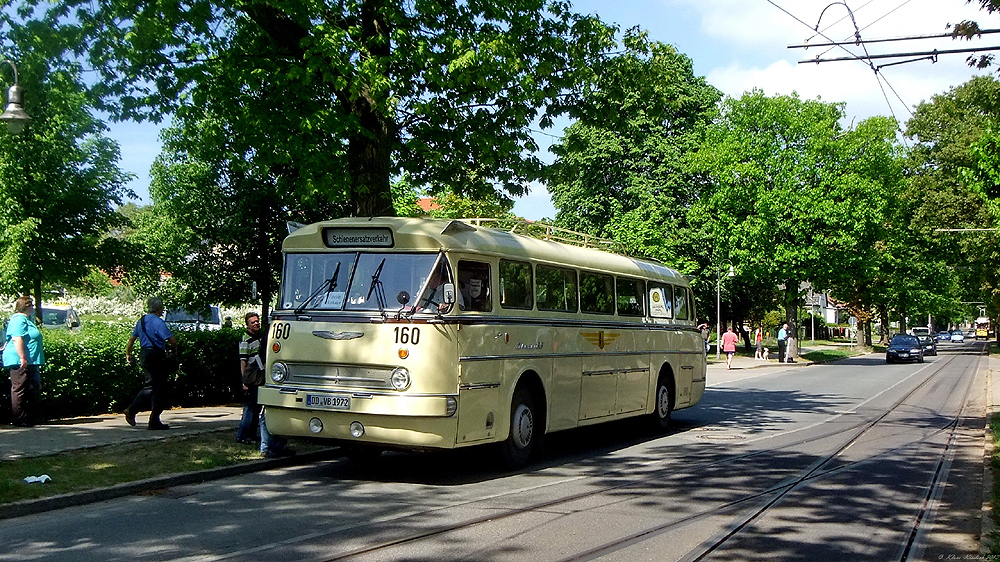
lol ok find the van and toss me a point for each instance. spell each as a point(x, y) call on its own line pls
point(920, 331)
point(185, 320)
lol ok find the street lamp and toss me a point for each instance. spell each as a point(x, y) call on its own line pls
point(718, 309)
point(15, 116)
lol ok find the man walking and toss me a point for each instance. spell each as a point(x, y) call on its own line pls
point(153, 335)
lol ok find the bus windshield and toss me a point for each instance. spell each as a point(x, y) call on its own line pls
point(354, 280)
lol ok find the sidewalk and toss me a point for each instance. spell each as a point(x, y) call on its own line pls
point(59, 436)
point(741, 362)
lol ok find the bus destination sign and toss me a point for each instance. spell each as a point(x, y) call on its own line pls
point(357, 237)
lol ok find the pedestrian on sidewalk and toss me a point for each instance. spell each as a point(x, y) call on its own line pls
point(782, 342)
point(153, 335)
point(758, 338)
point(24, 355)
point(791, 349)
point(729, 340)
point(252, 350)
point(253, 353)
point(706, 333)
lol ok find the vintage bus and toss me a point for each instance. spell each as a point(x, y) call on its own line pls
point(424, 333)
point(983, 328)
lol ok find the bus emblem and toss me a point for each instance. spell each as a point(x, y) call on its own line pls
point(326, 334)
point(600, 339)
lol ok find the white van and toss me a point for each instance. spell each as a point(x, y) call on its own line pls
point(920, 331)
point(187, 321)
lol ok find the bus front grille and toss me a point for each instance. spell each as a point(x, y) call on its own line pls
point(339, 376)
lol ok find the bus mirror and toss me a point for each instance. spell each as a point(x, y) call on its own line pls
point(403, 297)
point(449, 293)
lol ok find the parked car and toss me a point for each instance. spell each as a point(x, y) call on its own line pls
point(957, 336)
point(904, 347)
point(930, 345)
point(944, 335)
point(59, 315)
point(187, 321)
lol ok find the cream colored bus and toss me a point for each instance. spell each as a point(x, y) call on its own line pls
point(424, 333)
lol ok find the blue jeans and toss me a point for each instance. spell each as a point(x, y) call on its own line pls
point(248, 430)
point(269, 442)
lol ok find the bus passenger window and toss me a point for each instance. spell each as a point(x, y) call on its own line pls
point(556, 289)
point(597, 293)
point(661, 301)
point(630, 299)
point(474, 286)
point(515, 284)
point(680, 303)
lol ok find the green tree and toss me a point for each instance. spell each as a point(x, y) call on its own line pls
point(619, 171)
point(59, 178)
point(779, 210)
point(950, 177)
point(363, 90)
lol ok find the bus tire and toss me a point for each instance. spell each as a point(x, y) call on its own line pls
point(663, 405)
point(516, 451)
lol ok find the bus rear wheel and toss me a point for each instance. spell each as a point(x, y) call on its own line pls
point(523, 438)
point(663, 406)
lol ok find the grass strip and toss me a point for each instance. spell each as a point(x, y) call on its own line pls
point(99, 467)
point(826, 355)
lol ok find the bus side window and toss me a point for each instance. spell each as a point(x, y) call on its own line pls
point(597, 293)
point(630, 292)
point(556, 289)
point(516, 284)
point(474, 286)
point(680, 303)
point(661, 300)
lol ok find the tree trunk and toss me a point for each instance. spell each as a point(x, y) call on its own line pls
point(883, 316)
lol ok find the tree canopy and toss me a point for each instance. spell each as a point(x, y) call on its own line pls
point(344, 96)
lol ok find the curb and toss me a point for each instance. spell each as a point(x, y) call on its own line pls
point(41, 505)
point(988, 527)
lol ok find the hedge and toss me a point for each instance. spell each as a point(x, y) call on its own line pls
point(85, 371)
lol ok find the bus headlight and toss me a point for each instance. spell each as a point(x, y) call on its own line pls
point(315, 425)
point(400, 378)
point(452, 406)
point(279, 372)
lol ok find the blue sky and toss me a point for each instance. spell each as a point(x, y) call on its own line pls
point(739, 45)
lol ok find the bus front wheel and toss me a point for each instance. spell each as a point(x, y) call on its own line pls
point(523, 437)
point(663, 406)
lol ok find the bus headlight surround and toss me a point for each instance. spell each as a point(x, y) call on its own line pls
point(279, 372)
point(400, 378)
point(315, 425)
point(357, 429)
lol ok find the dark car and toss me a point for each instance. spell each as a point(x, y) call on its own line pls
point(930, 345)
point(904, 347)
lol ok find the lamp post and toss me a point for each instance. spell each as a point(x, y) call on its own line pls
point(14, 115)
point(718, 309)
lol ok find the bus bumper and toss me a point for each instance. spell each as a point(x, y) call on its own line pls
point(399, 421)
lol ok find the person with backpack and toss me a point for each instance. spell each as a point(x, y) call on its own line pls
point(253, 353)
point(153, 336)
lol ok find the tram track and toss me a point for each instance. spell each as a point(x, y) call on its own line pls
point(663, 478)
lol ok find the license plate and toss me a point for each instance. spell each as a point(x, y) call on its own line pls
point(328, 402)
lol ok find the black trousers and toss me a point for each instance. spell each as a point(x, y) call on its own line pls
point(25, 387)
point(782, 349)
point(154, 395)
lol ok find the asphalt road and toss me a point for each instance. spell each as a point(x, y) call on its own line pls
point(851, 461)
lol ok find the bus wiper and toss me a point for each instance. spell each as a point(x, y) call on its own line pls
point(331, 283)
point(380, 293)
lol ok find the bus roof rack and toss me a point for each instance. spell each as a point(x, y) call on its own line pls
point(544, 231)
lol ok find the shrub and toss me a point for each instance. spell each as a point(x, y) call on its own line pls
point(85, 372)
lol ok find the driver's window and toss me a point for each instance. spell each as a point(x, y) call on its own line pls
point(433, 297)
point(474, 286)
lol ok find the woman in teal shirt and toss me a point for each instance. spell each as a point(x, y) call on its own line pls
point(24, 356)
